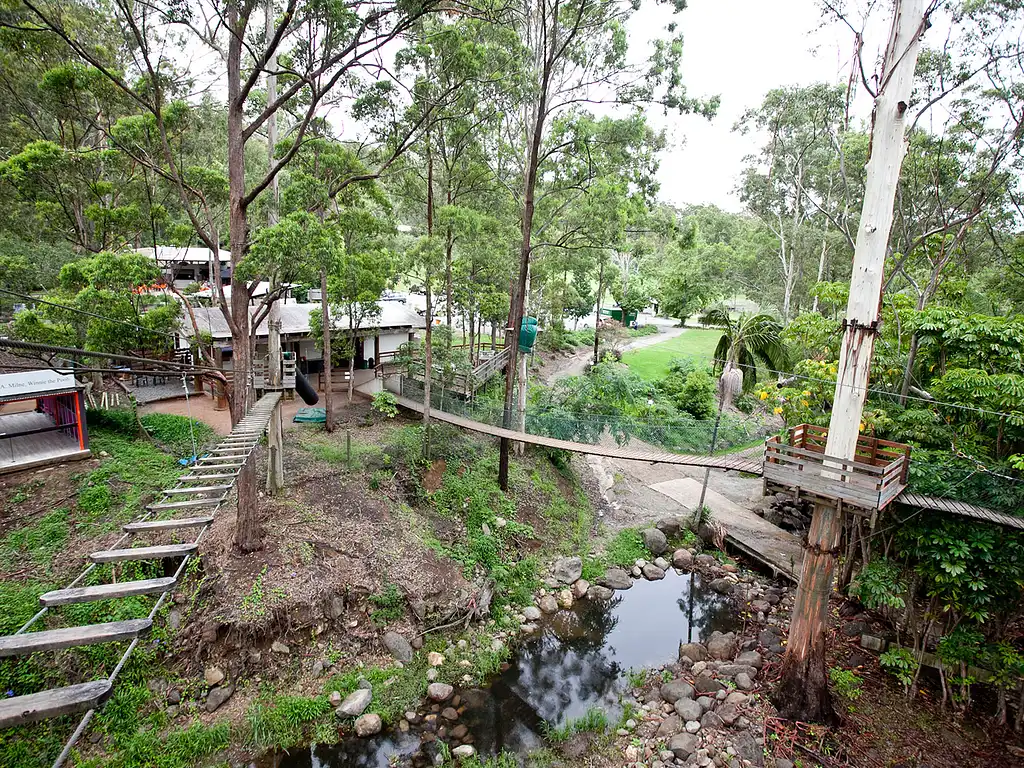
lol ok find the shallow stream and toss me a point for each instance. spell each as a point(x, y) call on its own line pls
point(578, 660)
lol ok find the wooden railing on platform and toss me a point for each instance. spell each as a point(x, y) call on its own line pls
point(387, 364)
point(871, 480)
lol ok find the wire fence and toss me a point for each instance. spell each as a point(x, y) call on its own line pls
point(682, 434)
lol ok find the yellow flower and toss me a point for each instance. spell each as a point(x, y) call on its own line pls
point(778, 410)
point(861, 427)
point(806, 393)
point(764, 395)
point(803, 403)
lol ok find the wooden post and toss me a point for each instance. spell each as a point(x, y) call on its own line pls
point(802, 693)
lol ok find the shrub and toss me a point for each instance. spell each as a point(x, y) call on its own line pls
point(880, 584)
point(846, 683)
point(901, 664)
point(386, 404)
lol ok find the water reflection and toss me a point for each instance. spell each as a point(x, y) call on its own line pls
point(576, 662)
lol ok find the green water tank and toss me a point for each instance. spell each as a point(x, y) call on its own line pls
point(527, 334)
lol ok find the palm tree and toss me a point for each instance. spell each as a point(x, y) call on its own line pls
point(746, 341)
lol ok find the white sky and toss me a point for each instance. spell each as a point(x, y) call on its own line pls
point(741, 49)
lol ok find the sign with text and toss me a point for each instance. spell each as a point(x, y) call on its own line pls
point(30, 383)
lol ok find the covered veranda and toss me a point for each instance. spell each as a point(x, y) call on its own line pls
point(42, 420)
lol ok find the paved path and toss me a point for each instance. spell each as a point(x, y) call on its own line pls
point(755, 536)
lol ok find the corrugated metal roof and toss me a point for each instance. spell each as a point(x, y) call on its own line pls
point(295, 319)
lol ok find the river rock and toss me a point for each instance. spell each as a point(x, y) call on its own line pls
point(669, 727)
point(218, 696)
point(596, 592)
point(736, 698)
point(464, 751)
point(707, 684)
point(705, 561)
point(435, 659)
point(721, 586)
point(747, 747)
point(655, 540)
point(355, 703)
point(693, 651)
point(615, 578)
point(711, 720)
point(728, 712)
point(693, 726)
point(682, 558)
point(548, 604)
point(335, 699)
point(760, 606)
point(579, 588)
point(213, 676)
point(751, 659)
point(675, 690)
point(670, 526)
point(721, 646)
point(449, 713)
point(682, 745)
point(174, 696)
point(565, 599)
point(368, 725)
point(706, 702)
point(398, 647)
point(567, 569)
point(652, 572)
point(531, 613)
point(635, 571)
point(688, 710)
point(662, 563)
point(278, 647)
point(743, 681)
point(336, 607)
point(439, 691)
point(731, 670)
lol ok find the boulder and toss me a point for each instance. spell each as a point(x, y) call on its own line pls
point(548, 604)
point(652, 572)
point(682, 558)
point(218, 696)
point(706, 702)
point(567, 569)
point(731, 670)
point(707, 684)
point(688, 710)
point(398, 647)
point(439, 691)
point(693, 651)
point(670, 526)
point(355, 703)
point(683, 745)
point(579, 588)
point(728, 712)
point(655, 540)
point(532, 613)
point(669, 727)
point(596, 592)
point(675, 690)
point(750, 659)
point(744, 682)
point(705, 561)
point(721, 646)
point(711, 720)
point(615, 578)
point(368, 725)
point(213, 676)
point(721, 586)
point(662, 563)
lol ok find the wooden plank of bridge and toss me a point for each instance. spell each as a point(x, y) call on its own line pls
point(53, 703)
point(106, 591)
point(776, 548)
point(69, 637)
point(168, 525)
point(739, 464)
point(143, 553)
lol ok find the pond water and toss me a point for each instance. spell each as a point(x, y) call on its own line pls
point(578, 660)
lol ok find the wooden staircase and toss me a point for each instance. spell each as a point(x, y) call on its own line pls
point(193, 493)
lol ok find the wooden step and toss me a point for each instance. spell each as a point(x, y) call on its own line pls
point(69, 637)
point(143, 553)
point(105, 591)
point(215, 476)
point(168, 525)
point(219, 464)
point(198, 489)
point(19, 710)
point(186, 504)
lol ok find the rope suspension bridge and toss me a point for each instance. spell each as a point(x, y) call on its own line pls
point(190, 506)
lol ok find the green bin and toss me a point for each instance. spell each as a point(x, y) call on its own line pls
point(527, 334)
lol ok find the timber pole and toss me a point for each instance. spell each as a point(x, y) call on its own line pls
point(802, 693)
point(275, 429)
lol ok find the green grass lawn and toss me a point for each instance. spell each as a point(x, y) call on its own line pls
point(652, 362)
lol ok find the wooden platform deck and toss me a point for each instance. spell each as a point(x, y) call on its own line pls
point(24, 451)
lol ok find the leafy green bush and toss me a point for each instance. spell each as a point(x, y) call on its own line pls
point(390, 604)
point(847, 683)
point(901, 664)
point(385, 403)
point(880, 584)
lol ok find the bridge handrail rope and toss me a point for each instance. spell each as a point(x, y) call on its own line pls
point(205, 487)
